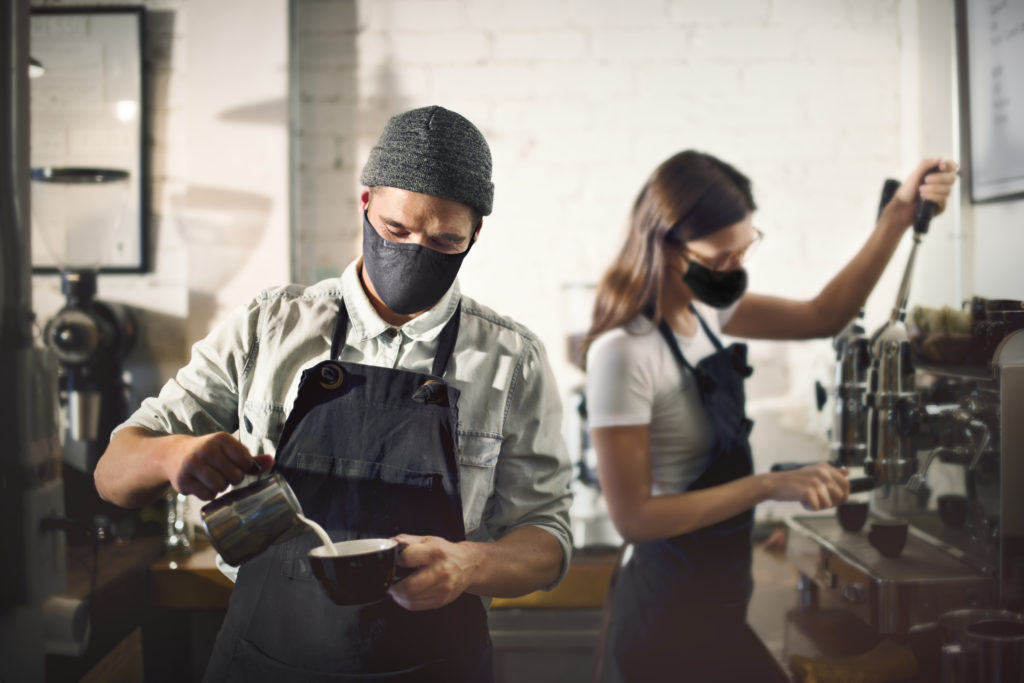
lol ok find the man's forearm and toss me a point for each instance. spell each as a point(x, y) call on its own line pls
point(524, 560)
point(129, 473)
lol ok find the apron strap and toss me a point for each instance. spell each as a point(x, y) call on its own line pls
point(340, 329)
point(673, 344)
point(445, 340)
point(707, 330)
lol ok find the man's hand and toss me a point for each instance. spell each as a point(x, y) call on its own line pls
point(203, 466)
point(444, 570)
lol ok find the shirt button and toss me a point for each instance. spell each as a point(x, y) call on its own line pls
point(391, 332)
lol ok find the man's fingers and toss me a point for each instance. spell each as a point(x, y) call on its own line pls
point(210, 459)
point(235, 455)
point(191, 486)
point(209, 477)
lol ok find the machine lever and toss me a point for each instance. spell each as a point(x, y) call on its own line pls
point(924, 211)
point(888, 191)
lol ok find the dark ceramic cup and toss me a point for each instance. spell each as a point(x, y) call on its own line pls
point(998, 648)
point(953, 509)
point(888, 537)
point(357, 572)
point(852, 515)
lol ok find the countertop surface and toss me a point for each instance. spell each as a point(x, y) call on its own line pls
point(194, 582)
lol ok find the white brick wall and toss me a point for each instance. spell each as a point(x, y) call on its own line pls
point(218, 121)
point(581, 99)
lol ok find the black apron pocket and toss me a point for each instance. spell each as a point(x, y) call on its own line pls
point(359, 499)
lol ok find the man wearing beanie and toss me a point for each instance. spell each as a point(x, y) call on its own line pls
point(396, 408)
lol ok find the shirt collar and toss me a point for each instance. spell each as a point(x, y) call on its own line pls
point(367, 324)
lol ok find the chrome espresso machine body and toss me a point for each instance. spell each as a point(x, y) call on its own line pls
point(943, 446)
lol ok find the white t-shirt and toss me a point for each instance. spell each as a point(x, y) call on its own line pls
point(632, 379)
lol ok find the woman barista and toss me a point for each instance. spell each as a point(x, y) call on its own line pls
point(666, 409)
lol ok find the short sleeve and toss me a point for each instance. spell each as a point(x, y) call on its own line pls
point(725, 314)
point(620, 380)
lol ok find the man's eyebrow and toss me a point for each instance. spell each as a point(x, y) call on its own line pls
point(393, 223)
point(446, 236)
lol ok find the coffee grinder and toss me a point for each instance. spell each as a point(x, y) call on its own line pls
point(77, 212)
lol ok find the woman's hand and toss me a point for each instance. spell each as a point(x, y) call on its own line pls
point(934, 187)
point(816, 487)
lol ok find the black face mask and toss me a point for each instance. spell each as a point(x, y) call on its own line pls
point(718, 288)
point(409, 278)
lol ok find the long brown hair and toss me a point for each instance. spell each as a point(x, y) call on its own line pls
point(689, 196)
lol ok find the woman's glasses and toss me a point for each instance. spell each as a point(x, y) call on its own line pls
point(728, 260)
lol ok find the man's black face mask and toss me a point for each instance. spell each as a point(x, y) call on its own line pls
point(409, 278)
point(718, 288)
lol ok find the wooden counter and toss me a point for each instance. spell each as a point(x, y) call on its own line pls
point(115, 598)
point(192, 583)
point(195, 583)
point(193, 594)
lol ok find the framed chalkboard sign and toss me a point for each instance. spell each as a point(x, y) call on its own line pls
point(90, 172)
point(990, 55)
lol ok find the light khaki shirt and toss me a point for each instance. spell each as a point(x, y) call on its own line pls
point(513, 467)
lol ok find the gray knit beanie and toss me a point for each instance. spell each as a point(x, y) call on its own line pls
point(433, 151)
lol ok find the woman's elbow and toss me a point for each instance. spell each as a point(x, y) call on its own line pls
point(634, 529)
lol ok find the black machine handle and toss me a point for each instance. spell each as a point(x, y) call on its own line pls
point(924, 211)
point(820, 395)
point(857, 484)
point(888, 191)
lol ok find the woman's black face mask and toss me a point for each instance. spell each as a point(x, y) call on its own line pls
point(717, 288)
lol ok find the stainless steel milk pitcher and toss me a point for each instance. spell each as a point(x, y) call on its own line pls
point(246, 521)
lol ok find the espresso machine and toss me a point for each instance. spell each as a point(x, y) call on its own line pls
point(940, 445)
point(848, 431)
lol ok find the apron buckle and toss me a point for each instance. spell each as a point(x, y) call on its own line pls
point(331, 376)
point(432, 391)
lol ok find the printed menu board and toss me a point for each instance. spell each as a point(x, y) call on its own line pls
point(995, 93)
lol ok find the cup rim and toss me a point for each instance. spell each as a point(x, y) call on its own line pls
point(978, 629)
point(358, 547)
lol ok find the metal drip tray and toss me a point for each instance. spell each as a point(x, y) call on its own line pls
point(891, 594)
point(920, 560)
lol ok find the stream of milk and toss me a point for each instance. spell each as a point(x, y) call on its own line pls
point(324, 538)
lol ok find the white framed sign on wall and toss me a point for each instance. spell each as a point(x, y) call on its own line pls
point(990, 45)
point(90, 175)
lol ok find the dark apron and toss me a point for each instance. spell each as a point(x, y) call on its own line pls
point(370, 452)
point(678, 607)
